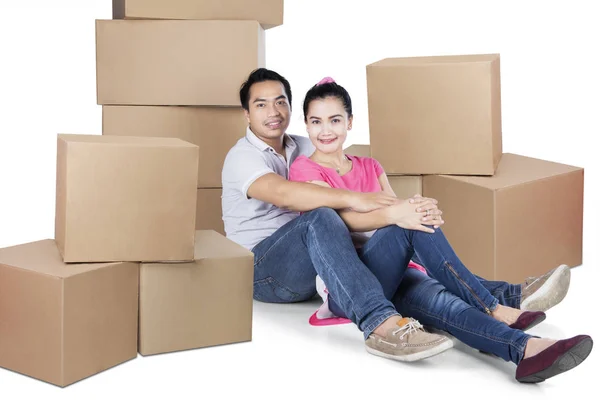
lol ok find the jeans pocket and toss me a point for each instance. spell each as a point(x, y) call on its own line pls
point(269, 290)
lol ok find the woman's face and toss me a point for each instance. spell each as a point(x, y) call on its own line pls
point(327, 124)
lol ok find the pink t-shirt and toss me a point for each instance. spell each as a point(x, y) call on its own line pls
point(363, 177)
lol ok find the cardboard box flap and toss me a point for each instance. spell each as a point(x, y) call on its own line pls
point(407, 61)
point(125, 140)
point(43, 257)
point(210, 244)
point(515, 169)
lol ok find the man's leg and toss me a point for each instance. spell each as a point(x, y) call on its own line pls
point(422, 297)
point(318, 242)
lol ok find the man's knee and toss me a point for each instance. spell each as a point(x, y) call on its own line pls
point(325, 214)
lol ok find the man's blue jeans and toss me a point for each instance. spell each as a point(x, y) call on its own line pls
point(318, 242)
point(362, 284)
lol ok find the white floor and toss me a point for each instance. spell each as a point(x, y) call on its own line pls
point(288, 358)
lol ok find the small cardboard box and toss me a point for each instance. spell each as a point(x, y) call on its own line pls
point(61, 323)
point(182, 63)
point(204, 303)
point(436, 115)
point(522, 222)
point(121, 198)
point(215, 130)
point(269, 13)
point(209, 214)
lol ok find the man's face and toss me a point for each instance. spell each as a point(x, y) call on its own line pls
point(268, 110)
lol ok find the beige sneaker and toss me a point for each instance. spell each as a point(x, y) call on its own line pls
point(546, 291)
point(407, 342)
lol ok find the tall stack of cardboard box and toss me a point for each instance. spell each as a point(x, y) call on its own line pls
point(437, 120)
point(136, 264)
point(174, 68)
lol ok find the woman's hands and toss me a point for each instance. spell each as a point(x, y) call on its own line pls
point(416, 212)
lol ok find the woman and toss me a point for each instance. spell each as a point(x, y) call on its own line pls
point(452, 299)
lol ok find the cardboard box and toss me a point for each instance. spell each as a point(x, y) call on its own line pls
point(524, 221)
point(186, 63)
point(204, 303)
point(62, 323)
point(358, 150)
point(215, 130)
point(209, 212)
point(121, 198)
point(269, 13)
point(404, 186)
point(436, 115)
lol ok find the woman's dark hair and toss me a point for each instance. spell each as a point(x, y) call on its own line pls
point(262, 75)
point(325, 90)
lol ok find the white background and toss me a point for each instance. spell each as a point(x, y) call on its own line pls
point(550, 109)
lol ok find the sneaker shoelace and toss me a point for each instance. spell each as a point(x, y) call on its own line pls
point(410, 327)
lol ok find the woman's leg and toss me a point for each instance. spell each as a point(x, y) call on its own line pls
point(423, 298)
point(441, 262)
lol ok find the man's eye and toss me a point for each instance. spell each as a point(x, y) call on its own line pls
point(260, 105)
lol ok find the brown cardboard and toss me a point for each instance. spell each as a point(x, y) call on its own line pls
point(209, 214)
point(269, 13)
point(213, 129)
point(195, 63)
point(61, 323)
point(358, 150)
point(436, 115)
point(404, 186)
point(522, 222)
point(205, 303)
point(121, 198)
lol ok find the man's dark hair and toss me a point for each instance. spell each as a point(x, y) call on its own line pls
point(262, 75)
point(325, 90)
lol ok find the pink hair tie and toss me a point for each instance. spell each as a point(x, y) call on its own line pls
point(325, 80)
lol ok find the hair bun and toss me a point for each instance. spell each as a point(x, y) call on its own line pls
point(325, 80)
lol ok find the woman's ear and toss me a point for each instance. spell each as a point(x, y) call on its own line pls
point(350, 123)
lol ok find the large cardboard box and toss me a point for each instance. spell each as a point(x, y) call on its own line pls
point(61, 323)
point(269, 13)
point(523, 221)
point(209, 212)
point(204, 303)
point(436, 115)
point(404, 186)
point(121, 198)
point(197, 63)
point(215, 130)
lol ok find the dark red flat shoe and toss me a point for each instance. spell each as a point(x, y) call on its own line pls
point(527, 320)
point(562, 356)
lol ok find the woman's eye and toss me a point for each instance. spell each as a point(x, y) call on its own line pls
point(335, 120)
point(315, 122)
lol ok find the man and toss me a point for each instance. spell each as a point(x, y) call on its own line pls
point(261, 211)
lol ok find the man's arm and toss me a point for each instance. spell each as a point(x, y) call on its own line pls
point(300, 196)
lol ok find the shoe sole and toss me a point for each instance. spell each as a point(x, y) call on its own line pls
point(552, 292)
point(572, 358)
point(446, 345)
